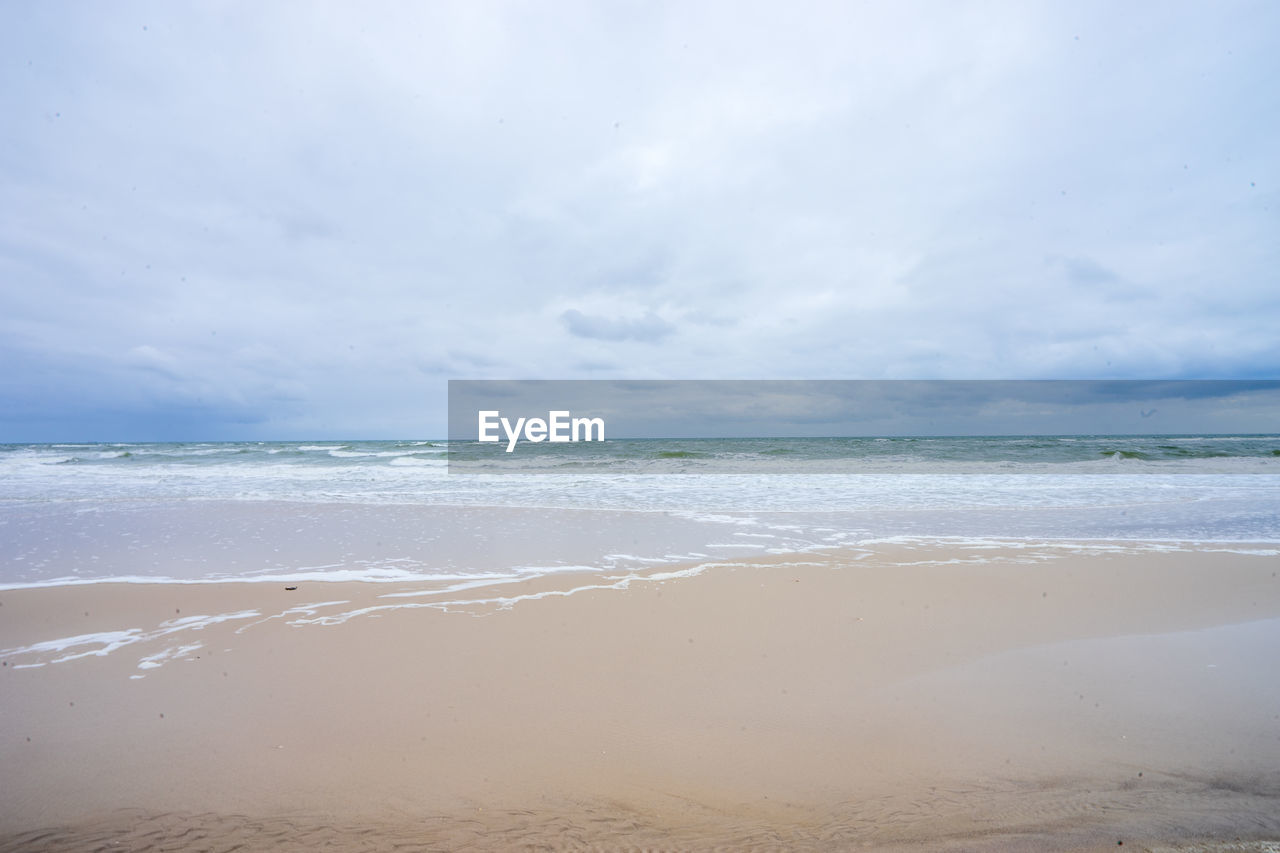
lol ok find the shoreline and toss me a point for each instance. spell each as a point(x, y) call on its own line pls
point(219, 540)
point(816, 701)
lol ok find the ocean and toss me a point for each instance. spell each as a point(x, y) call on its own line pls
point(467, 514)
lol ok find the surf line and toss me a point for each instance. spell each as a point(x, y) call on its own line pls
point(558, 426)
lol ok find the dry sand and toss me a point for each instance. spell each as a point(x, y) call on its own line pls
point(915, 699)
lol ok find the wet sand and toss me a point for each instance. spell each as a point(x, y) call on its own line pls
point(922, 699)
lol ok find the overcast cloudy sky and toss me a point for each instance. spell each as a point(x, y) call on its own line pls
point(280, 220)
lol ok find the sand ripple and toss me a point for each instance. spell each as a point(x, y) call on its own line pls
point(1010, 821)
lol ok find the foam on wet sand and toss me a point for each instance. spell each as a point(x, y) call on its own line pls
point(906, 698)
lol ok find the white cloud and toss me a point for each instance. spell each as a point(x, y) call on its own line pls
point(314, 214)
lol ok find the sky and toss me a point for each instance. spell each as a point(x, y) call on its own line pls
point(281, 220)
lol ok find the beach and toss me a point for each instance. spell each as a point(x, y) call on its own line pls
point(927, 696)
point(690, 427)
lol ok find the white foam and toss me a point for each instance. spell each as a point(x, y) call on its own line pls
point(106, 642)
point(506, 602)
point(377, 574)
point(175, 653)
point(298, 609)
point(458, 587)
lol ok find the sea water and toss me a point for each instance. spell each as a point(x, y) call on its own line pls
point(421, 509)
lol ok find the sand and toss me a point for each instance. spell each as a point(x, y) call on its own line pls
point(915, 699)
